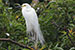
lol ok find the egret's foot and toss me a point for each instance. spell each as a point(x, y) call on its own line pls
point(36, 47)
point(43, 47)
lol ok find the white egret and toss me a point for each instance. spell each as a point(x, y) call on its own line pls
point(32, 24)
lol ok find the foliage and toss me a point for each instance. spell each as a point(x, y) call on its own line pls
point(60, 11)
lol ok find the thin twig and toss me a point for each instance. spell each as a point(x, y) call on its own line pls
point(14, 42)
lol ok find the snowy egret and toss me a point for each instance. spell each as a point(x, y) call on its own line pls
point(32, 24)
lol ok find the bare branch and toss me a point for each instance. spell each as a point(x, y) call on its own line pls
point(14, 42)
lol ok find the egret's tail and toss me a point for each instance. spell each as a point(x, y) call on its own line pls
point(40, 36)
point(37, 34)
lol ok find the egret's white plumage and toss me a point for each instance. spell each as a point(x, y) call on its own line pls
point(32, 23)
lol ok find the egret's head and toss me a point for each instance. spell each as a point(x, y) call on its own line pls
point(26, 5)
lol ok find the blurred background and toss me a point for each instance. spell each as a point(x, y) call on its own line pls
point(56, 18)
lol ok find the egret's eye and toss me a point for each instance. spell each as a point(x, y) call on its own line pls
point(23, 5)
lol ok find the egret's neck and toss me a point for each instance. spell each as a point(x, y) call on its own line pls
point(28, 6)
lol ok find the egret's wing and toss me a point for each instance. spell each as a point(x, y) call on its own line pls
point(33, 17)
point(37, 26)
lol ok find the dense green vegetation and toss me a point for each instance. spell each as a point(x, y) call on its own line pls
point(57, 21)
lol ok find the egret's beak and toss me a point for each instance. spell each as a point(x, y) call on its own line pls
point(19, 7)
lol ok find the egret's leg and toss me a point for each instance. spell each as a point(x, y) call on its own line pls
point(36, 46)
point(36, 42)
point(35, 39)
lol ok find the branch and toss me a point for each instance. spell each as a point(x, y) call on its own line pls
point(14, 42)
point(69, 37)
